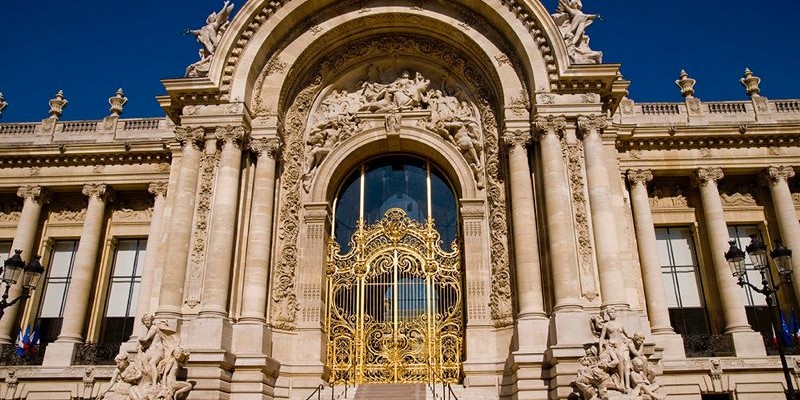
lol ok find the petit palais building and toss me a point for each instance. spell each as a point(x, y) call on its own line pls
point(403, 200)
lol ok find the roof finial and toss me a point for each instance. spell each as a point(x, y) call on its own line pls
point(117, 103)
point(750, 83)
point(686, 84)
point(57, 105)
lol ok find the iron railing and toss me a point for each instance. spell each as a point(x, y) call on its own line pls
point(10, 355)
point(447, 388)
point(708, 345)
point(95, 353)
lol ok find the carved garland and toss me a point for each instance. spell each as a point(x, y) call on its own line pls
point(284, 299)
point(573, 157)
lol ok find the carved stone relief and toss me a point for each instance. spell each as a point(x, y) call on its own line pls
point(197, 258)
point(68, 209)
point(132, 209)
point(667, 195)
point(574, 159)
point(337, 114)
point(10, 209)
point(738, 194)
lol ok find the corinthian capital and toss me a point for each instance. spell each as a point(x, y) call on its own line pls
point(705, 175)
point(774, 175)
point(231, 135)
point(640, 176)
point(549, 124)
point(98, 190)
point(158, 188)
point(270, 147)
point(592, 124)
point(36, 193)
point(518, 138)
point(190, 136)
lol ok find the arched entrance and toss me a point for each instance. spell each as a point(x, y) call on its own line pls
point(394, 309)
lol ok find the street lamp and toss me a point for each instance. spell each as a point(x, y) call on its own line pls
point(783, 261)
point(13, 267)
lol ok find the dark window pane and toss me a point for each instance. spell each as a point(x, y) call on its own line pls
point(689, 321)
point(444, 208)
point(48, 329)
point(347, 211)
point(395, 182)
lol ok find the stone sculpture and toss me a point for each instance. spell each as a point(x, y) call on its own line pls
point(209, 36)
point(152, 374)
point(337, 118)
point(573, 22)
point(616, 366)
point(3, 104)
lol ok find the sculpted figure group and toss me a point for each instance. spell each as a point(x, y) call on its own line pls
point(152, 374)
point(337, 119)
point(209, 36)
point(572, 22)
point(615, 367)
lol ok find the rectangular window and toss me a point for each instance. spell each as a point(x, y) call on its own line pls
point(5, 250)
point(56, 284)
point(755, 304)
point(123, 291)
point(681, 278)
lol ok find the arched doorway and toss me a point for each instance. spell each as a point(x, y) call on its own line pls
point(394, 293)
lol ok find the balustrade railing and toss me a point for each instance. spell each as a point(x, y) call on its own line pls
point(708, 345)
point(18, 129)
point(80, 126)
point(787, 106)
point(660, 109)
point(727, 108)
point(141, 124)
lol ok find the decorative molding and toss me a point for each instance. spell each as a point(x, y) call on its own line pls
point(100, 191)
point(10, 210)
point(36, 163)
point(199, 249)
point(734, 194)
point(592, 124)
point(36, 193)
point(777, 174)
point(549, 124)
point(231, 136)
point(668, 196)
point(517, 139)
point(72, 209)
point(703, 140)
point(133, 209)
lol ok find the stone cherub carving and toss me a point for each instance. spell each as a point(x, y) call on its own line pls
point(337, 118)
point(616, 366)
point(209, 36)
point(152, 374)
point(573, 22)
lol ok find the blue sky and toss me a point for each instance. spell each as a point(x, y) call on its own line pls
point(90, 48)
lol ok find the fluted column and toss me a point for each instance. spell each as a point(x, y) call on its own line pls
point(560, 226)
point(159, 190)
point(657, 308)
point(222, 229)
point(76, 306)
point(526, 241)
point(612, 280)
point(177, 252)
point(257, 261)
point(777, 179)
point(732, 306)
point(35, 197)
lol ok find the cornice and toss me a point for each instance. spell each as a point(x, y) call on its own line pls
point(686, 142)
point(56, 160)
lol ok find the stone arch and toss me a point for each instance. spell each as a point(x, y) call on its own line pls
point(411, 141)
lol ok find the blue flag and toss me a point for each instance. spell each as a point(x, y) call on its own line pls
point(786, 334)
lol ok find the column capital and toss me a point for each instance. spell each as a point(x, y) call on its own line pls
point(640, 176)
point(158, 188)
point(191, 136)
point(231, 135)
point(774, 175)
point(267, 146)
point(589, 124)
point(517, 138)
point(36, 193)
point(702, 176)
point(99, 190)
point(549, 124)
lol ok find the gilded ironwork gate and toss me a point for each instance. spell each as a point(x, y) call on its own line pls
point(394, 305)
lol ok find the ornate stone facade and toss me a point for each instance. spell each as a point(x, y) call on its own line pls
point(570, 204)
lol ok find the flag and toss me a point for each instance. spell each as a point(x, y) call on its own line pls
point(786, 334)
point(27, 340)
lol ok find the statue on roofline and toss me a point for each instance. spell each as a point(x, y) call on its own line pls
point(572, 22)
point(209, 36)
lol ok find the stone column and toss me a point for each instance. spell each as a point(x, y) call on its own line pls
point(777, 179)
point(257, 261)
point(612, 280)
point(35, 197)
point(159, 190)
point(526, 246)
point(180, 225)
point(76, 306)
point(222, 227)
point(560, 227)
point(732, 306)
point(656, 298)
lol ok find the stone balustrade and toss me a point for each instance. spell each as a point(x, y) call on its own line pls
point(105, 130)
point(738, 112)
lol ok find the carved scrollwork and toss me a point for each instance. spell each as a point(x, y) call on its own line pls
point(517, 139)
point(190, 136)
point(36, 193)
point(640, 176)
point(591, 124)
point(703, 176)
point(549, 124)
point(158, 188)
point(267, 146)
point(231, 136)
point(99, 191)
point(776, 174)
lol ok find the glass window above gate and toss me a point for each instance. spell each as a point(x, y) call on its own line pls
point(397, 181)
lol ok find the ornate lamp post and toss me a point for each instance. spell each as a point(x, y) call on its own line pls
point(12, 269)
point(783, 261)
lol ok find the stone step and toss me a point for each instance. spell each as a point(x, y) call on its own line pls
point(392, 391)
